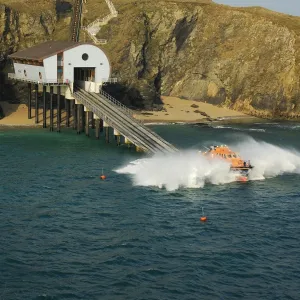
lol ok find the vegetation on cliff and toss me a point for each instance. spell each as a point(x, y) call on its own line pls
point(244, 58)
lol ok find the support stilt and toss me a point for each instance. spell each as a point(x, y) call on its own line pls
point(101, 125)
point(44, 107)
point(87, 125)
point(51, 108)
point(107, 135)
point(97, 123)
point(118, 140)
point(67, 107)
point(78, 118)
point(74, 115)
point(58, 109)
point(93, 121)
point(36, 104)
point(82, 118)
point(29, 100)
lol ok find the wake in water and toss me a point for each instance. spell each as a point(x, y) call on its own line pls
point(192, 170)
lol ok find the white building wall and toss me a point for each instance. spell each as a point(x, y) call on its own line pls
point(31, 71)
point(96, 59)
point(50, 65)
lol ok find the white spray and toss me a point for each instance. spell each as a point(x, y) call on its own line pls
point(192, 170)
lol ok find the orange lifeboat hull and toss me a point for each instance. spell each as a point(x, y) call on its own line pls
point(237, 164)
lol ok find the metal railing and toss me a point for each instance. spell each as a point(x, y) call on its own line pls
point(83, 100)
point(124, 108)
point(130, 113)
point(110, 80)
point(75, 29)
point(41, 81)
point(127, 125)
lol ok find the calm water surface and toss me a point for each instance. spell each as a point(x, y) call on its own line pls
point(65, 234)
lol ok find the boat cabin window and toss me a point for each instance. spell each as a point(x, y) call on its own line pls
point(229, 155)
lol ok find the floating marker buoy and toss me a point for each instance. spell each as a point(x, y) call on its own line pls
point(203, 218)
point(102, 177)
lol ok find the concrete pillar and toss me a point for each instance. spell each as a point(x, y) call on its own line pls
point(36, 104)
point(118, 140)
point(101, 125)
point(87, 125)
point(97, 123)
point(51, 108)
point(29, 100)
point(117, 137)
point(44, 107)
point(127, 142)
point(74, 113)
point(58, 109)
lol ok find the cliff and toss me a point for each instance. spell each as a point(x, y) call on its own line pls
point(22, 25)
point(243, 58)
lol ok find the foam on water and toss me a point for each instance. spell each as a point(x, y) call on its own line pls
point(239, 129)
point(191, 170)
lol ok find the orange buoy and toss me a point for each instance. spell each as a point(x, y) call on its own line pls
point(203, 218)
point(102, 176)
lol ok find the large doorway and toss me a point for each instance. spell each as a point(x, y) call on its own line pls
point(85, 79)
point(84, 74)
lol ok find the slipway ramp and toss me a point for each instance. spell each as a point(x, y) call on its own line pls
point(119, 117)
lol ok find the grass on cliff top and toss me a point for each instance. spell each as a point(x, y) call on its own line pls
point(284, 20)
point(32, 7)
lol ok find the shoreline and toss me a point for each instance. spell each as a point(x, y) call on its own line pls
point(175, 111)
point(239, 120)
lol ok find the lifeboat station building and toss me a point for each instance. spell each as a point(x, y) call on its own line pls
point(62, 63)
point(56, 68)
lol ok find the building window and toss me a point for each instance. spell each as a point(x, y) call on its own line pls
point(25, 73)
point(85, 56)
point(40, 75)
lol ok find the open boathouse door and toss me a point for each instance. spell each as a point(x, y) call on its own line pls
point(85, 78)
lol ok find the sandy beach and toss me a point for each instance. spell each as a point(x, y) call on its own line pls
point(17, 115)
point(175, 110)
point(189, 111)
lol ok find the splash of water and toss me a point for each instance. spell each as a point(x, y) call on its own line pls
point(269, 160)
point(192, 170)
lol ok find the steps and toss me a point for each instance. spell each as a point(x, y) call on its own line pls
point(93, 28)
point(120, 118)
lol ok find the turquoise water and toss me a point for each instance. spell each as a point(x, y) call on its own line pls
point(65, 234)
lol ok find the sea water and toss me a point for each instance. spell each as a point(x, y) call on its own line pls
point(66, 234)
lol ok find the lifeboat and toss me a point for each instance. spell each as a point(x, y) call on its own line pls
point(237, 165)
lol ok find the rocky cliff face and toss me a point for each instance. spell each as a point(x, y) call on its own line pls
point(21, 29)
point(247, 59)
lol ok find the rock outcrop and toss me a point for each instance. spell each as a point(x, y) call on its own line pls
point(246, 59)
point(21, 28)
